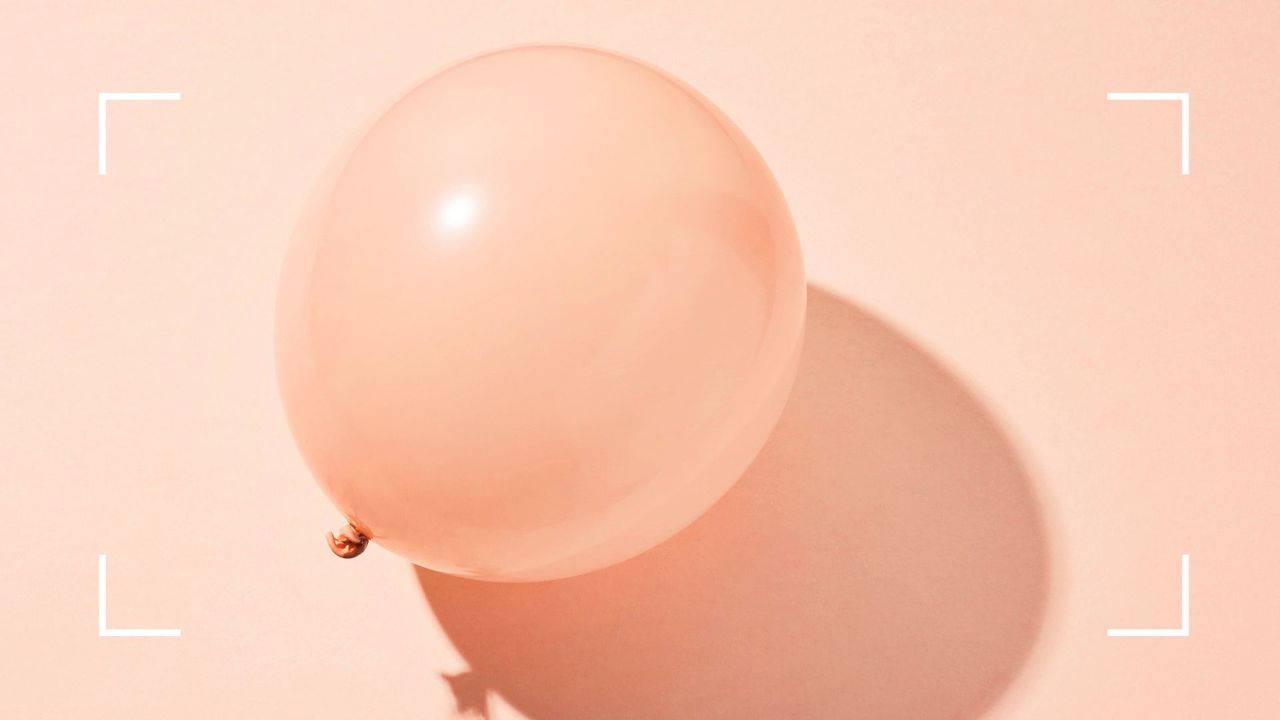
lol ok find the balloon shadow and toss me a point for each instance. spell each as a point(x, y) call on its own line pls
point(885, 557)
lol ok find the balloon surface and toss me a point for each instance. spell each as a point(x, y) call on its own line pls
point(546, 315)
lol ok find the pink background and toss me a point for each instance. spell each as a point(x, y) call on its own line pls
point(1042, 366)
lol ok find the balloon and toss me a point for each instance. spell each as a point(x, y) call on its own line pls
point(548, 313)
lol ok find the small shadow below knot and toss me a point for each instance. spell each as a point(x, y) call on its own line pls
point(470, 693)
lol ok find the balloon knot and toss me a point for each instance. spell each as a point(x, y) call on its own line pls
point(347, 542)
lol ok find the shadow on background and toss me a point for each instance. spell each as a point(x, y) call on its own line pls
point(883, 558)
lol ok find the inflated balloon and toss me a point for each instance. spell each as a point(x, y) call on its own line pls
point(546, 315)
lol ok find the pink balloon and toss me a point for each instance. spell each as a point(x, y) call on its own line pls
point(549, 313)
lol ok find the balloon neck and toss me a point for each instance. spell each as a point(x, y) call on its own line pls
point(347, 542)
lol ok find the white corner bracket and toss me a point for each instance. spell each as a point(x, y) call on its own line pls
point(103, 98)
point(104, 631)
point(1182, 97)
point(1184, 630)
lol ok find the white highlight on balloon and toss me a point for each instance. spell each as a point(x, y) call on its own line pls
point(458, 211)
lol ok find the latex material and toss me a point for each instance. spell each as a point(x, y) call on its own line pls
point(548, 313)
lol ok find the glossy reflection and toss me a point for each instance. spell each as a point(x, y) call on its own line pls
point(545, 316)
point(458, 212)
